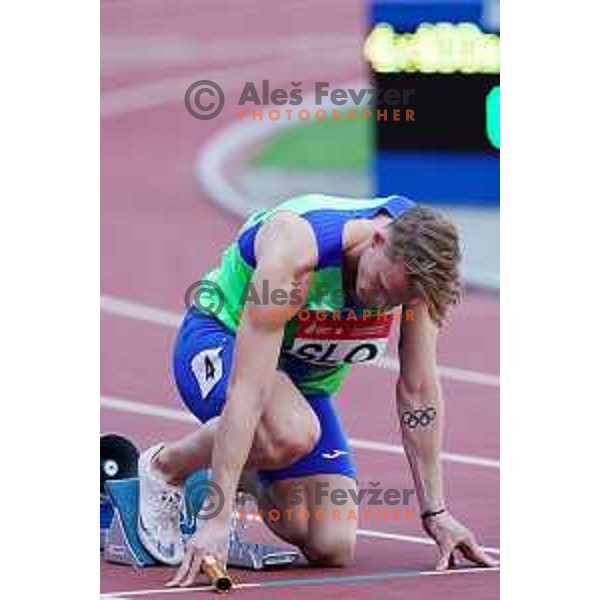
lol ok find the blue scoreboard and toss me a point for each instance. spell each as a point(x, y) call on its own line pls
point(443, 60)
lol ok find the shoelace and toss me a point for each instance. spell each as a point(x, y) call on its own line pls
point(169, 507)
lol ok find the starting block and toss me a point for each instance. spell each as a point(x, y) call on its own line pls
point(245, 555)
point(123, 546)
point(255, 556)
point(118, 460)
point(121, 542)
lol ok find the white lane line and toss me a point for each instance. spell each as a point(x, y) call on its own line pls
point(148, 410)
point(469, 376)
point(463, 459)
point(283, 583)
point(463, 375)
point(158, 316)
point(398, 537)
point(124, 53)
point(166, 91)
point(139, 312)
point(414, 539)
point(172, 90)
point(159, 591)
point(173, 414)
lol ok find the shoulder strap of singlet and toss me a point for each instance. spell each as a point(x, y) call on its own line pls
point(328, 225)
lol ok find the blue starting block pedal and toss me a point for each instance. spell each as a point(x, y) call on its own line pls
point(118, 460)
point(123, 546)
point(121, 542)
point(106, 517)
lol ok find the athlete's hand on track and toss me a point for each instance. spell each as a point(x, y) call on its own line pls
point(452, 537)
point(211, 538)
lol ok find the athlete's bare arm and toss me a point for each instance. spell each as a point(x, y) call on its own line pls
point(286, 253)
point(421, 413)
point(420, 407)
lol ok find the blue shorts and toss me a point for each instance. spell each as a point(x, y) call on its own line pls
point(202, 363)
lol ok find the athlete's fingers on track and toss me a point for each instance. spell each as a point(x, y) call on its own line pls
point(193, 572)
point(445, 559)
point(182, 571)
point(472, 551)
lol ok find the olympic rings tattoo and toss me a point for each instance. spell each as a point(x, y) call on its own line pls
point(420, 416)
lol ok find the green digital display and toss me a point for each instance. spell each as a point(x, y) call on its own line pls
point(452, 71)
point(433, 48)
point(492, 116)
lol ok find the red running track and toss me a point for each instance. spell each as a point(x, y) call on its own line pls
point(159, 232)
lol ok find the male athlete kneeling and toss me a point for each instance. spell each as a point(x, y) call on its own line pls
point(262, 379)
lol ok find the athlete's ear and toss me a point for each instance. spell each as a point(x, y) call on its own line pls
point(379, 239)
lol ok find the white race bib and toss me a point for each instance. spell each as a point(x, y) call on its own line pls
point(329, 342)
point(207, 367)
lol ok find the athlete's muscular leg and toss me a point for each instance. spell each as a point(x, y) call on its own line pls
point(331, 541)
point(328, 537)
point(288, 430)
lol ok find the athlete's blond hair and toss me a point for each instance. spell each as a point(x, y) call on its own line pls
point(428, 243)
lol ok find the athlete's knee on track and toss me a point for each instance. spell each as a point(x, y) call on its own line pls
point(334, 550)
